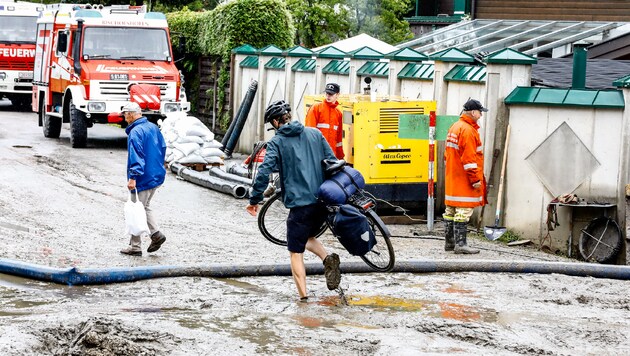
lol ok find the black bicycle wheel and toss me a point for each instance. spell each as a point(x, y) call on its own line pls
point(272, 221)
point(381, 257)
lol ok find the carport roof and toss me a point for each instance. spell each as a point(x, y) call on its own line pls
point(528, 37)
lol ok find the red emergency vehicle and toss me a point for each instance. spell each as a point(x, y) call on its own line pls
point(18, 21)
point(89, 60)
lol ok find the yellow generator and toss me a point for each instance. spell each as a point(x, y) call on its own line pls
point(394, 169)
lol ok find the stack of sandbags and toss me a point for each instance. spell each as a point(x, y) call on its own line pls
point(188, 140)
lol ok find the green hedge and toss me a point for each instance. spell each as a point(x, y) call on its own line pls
point(255, 22)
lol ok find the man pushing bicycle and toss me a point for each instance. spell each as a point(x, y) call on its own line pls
point(296, 152)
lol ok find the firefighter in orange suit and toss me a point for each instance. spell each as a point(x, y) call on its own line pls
point(465, 185)
point(326, 117)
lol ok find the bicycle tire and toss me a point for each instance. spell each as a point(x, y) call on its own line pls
point(381, 258)
point(272, 221)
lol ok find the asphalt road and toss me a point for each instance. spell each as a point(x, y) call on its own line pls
point(63, 207)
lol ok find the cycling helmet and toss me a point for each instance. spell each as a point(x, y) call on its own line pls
point(276, 109)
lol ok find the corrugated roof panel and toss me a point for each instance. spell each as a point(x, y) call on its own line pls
point(277, 63)
point(567, 97)
point(250, 62)
point(466, 73)
point(304, 65)
point(337, 67)
point(375, 69)
point(417, 71)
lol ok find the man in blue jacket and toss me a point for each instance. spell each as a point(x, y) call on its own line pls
point(146, 150)
point(297, 152)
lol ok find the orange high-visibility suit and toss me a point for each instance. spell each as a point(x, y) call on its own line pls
point(328, 119)
point(464, 165)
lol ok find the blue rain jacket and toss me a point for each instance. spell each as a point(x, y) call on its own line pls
point(296, 152)
point(146, 151)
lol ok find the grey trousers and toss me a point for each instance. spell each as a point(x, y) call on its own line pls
point(145, 197)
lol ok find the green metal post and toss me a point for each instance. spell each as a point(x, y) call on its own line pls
point(579, 66)
point(417, 7)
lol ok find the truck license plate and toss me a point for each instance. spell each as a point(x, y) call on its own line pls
point(25, 75)
point(119, 76)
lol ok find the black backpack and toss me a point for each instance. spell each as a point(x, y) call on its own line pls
point(353, 230)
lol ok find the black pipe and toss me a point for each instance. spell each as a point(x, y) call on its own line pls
point(228, 133)
point(237, 169)
point(240, 120)
point(239, 191)
point(84, 276)
point(219, 173)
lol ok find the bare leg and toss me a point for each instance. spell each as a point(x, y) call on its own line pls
point(316, 247)
point(299, 272)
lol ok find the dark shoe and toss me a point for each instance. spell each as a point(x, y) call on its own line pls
point(461, 247)
point(131, 251)
point(332, 271)
point(157, 239)
point(449, 237)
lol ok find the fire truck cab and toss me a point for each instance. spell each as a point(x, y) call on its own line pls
point(89, 58)
point(18, 21)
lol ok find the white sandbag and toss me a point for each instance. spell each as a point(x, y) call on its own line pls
point(212, 144)
point(187, 148)
point(196, 139)
point(210, 152)
point(175, 155)
point(192, 158)
point(200, 131)
point(214, 160)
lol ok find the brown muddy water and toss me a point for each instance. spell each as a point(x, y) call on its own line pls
point(62, 207)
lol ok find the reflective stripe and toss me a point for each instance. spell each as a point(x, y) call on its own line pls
point(335, 127)
point(479, 148)
point(452, 145)
point(464, 199)
point(339, 144)
point(470, 166)
point(323, 126)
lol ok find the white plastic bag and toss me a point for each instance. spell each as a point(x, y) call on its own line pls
point(135, 217)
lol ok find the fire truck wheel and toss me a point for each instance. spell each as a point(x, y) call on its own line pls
point(78, 127)
point(51, 125)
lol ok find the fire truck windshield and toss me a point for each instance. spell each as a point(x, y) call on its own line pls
point(126, 43)
point(18, 29)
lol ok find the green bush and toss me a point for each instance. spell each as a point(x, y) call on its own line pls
point(217, 32)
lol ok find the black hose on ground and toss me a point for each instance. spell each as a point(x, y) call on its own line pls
point(228, 148)
point(86, 276)
point(238, 190)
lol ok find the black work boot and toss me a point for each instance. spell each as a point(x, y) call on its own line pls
point(461, 247)
point(157, 239)
point(332, 271)
point(449, 237)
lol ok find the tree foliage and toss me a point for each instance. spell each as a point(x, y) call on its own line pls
point(319, 22)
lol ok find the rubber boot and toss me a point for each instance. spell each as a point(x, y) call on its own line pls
point(461, 247)
point(134, 247)
point(157, 239)
point(449, 237)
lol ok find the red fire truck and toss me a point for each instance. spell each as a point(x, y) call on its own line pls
point(17, 50)
point(89, 59)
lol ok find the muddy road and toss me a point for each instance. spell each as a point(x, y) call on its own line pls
point(63, 207)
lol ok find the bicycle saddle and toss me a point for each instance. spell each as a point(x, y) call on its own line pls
point(332, 166)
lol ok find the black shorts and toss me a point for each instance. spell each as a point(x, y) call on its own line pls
point(304, 222)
